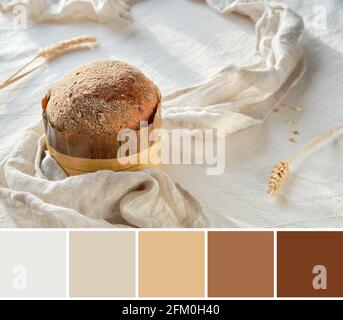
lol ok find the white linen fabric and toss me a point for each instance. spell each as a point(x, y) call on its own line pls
point(105, 11)
point(238, 97)
point(180, 43)
point(38, 193)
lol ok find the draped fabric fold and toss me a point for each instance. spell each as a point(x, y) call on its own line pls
point(238, 97)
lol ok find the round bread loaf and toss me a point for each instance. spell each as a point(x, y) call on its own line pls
point(84, 112)
point(101, 98)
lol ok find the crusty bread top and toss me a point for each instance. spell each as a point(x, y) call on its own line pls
point(102, 97)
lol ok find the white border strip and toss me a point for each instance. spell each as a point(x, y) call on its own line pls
point(206, 263)
point(137, 264)
point(275, 264)
point(67, 265)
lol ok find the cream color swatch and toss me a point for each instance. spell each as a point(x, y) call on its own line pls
point(171, 264)
point(102, 264)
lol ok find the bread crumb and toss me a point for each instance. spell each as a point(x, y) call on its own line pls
point(292, 122)
point(295, 132)
point(276, 109)
point(292, 140)
point(298, 109)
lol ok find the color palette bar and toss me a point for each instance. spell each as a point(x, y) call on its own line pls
point(170, 264)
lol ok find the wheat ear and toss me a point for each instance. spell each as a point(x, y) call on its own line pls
point(64, 46)
point(279, 174)
point(49, 53)
point(281, 170)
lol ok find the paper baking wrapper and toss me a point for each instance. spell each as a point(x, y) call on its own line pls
point(78, 153)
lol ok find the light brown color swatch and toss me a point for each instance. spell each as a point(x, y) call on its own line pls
point(102, 264)
point(240, 264)
point(171, 264)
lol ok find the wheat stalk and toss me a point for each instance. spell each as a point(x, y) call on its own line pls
point(281, 170)
point(14, 79)
point(279, 174)
point(49, 53)
point(64, 46)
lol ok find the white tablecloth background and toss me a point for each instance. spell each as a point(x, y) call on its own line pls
point(179, 43)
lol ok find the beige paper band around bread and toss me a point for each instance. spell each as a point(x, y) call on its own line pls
point(74, 166)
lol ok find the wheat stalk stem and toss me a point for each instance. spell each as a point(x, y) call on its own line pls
point(281, 170)
point(48, 53)
point(316, 142)
point(21, 69)
point(14, 79)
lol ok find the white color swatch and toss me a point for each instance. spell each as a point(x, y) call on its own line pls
point(32, 264)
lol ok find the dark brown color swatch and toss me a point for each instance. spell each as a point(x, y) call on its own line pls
point(240, 264)
point(298, 255)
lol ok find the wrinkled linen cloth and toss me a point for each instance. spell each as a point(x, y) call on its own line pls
point(239, 97)
point(35, 193)
point(39, 194)
point(104, 11)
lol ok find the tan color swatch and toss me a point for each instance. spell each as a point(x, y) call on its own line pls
point(240, 264)
point(102, 264)
point(171, 264)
